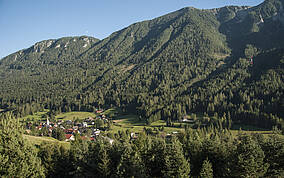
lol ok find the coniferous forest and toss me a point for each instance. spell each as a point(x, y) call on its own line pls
point(226, 64)
point(202, 152)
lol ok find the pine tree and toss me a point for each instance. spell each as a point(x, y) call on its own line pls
point(155, 158)
point(273, 148)
point(17, 157)
point(55, 160)
point(78, 156)
point(175, 163)
point(206, 170)
point(130, 164)
point(249, 159)
point(104, 162)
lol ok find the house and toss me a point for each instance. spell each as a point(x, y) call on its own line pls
point(90, 119)
point(97, 132)
point(69, 137)
point(85, 124)
point(28, 131)
point(69, 122)
point(109, 140)
point(69, 131)
point(75, 127)
point(84, 138)
point(134, 135)
point(188, 120)
point(99, 111)
point(50, 129)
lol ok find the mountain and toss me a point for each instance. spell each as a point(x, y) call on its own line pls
point(46, 67)
point(226, 63)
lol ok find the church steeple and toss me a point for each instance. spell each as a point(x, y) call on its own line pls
point(47, 121)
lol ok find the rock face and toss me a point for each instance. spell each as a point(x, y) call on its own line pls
point(70, 46)
point(41, 46)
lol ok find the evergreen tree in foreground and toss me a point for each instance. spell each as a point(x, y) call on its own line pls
point(175, 163)
point(17, 157)
point(249, 159)
point(206, 170)
point(130, 164)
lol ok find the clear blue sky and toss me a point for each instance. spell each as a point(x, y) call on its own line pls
point(25, 22)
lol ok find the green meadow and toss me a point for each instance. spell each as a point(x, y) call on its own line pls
point(35, 140)
point(124, 121)
point(75, 115)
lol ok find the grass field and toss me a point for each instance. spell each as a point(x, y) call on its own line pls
point(39, 116)
point(236, 132)
point(38, 140)
point(247, 128)
point(112, 112)
point(129, 122)
point(75, 115)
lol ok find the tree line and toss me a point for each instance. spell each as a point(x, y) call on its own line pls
point(193, 153)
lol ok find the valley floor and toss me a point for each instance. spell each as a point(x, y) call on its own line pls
point(115, 122)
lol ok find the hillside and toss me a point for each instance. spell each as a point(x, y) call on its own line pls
point(44, 70)
point(188, 61)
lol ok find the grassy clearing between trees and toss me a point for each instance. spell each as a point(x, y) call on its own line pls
point(247, 127)
point(112, 112)
point(38, 140)
point(75, 115)
point(265, 133)
point(131, 122)
point(38, 116)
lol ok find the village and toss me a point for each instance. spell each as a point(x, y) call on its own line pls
point(99, 124)
point(66, 130)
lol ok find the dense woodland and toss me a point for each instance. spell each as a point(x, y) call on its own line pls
point(192, 153)
point(219, 62)
point(226, 64)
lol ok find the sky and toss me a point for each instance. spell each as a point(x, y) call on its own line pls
point(25, 22)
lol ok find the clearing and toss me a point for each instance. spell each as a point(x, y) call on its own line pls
point(133, 124)
point(74, 115)
point(38, 140)
point(38, 116)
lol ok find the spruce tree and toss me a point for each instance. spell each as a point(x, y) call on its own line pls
point(104, 162)
point(130, 164)
point(249, 159)
point(18, 158)
point(175, 163)
point(206, 170)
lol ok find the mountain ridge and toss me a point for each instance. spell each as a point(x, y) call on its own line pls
point(160, 68)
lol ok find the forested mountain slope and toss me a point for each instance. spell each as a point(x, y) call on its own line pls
point(47, 70)
point(187, 61)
